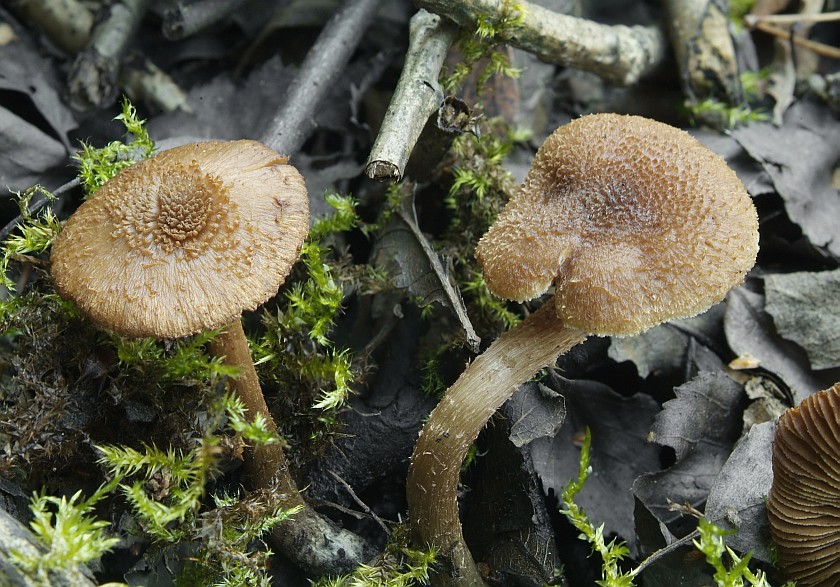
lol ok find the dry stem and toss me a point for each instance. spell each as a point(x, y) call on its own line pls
point(704, 50)
point(93, 78)
point(454, 424)
point(294, 122)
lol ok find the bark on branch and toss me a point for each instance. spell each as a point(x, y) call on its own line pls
point(93, 77)
point(619, 54)
point(417, 97)
point(704, 50)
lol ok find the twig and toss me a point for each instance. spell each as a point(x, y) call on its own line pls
point(753, 19)
point(787, 34)
point(93, 77)
point(295, 120)
point(187, 17)
point(704, 50)
point(619, 54)
point(38, 201)
point(143, 80)
point(417, 96)
point(361, 504)
point(665, 550)
point(67, 23)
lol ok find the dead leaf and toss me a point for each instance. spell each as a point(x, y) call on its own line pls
point(663, 350)
point(406, 254)
point(736, 500)
point(660, 349)
point(706, 410)
point(28, 153)
point(222, 108)
point(806, 309)
point(535, 411)
point(800, 157)
point(25, 72)
point(749, 329)
point(701, 424)
point(619, 453)
point(34, 121)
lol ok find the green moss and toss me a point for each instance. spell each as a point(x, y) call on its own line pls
point(98, 165)
point(478, 45)
point(397, 566)
point(70, 534)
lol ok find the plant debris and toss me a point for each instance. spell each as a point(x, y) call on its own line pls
point(136, 439)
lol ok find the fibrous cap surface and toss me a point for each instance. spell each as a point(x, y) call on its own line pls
point(634, 221)
point(184, 241)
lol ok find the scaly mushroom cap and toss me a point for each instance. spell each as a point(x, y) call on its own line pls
point(804, 501)
point(634, 221)
point(184, 241)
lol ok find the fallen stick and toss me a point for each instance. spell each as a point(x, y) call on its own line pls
point(620, 54)
point(92, 80)
point(417, 97)
point(294, 122)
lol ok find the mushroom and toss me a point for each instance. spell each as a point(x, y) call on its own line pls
point(183, 242)
point(803, 502)
point(634, 222)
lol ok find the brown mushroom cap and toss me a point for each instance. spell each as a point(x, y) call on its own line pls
point(184, 241)
point(634, 221)
point(804, 501)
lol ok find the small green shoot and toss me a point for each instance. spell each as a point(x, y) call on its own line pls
point(612, 553)
point(296, 341)
point(481, 42)
point(96, 166)
point(719, 114)
point(71, 535)
point(397, 566)
point(737, 574)
point(34, 235)
point(254, 431)
point(187, 360)
point(315, 302)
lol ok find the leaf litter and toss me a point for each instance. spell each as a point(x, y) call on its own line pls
point(689, 444)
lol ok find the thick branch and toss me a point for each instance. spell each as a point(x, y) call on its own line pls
point(619, 54)
point(325, 61)
point(416, 98)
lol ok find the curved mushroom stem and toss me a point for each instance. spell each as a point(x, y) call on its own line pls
point(307, 539)
point(454, 424)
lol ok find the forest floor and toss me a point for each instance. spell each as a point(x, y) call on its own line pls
point(681, 417)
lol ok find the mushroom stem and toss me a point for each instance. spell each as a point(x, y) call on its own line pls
point(454, 424)
point(308, 539)
point(267, 461)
